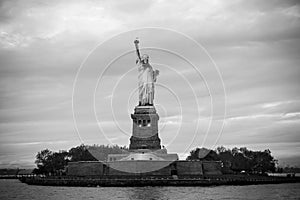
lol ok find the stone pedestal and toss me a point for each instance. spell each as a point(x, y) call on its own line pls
point(145, 129)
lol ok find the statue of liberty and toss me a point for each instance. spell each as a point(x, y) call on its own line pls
point(146, 78)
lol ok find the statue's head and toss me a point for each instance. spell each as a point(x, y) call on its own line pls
point(145, 58)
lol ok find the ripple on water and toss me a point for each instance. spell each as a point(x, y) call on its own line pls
point(13, 189)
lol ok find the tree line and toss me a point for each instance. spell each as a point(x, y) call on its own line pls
point(237, 160)
point(233, 160)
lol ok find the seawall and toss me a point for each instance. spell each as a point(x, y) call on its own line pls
point(157, 181)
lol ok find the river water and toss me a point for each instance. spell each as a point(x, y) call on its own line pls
point(13, 189)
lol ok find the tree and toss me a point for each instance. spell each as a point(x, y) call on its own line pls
point(80, 153)
point(237, 159)
point(203, 154)
point(242, 159)
point(264, 161)
point(43, 161)
point(220, 149)
point(59, 160)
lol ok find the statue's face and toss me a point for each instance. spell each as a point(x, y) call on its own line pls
point(145, 58)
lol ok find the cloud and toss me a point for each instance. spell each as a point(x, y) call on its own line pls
point(272, 104)
point(291, 116)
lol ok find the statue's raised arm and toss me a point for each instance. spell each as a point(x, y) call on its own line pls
point(136, 42)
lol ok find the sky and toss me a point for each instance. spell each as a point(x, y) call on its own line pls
point(229, 74)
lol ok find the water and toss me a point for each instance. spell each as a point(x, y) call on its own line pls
point(13, 189)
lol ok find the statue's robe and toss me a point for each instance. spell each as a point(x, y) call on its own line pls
point(146, 79)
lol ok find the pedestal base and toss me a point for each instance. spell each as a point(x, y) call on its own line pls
point(145, 129)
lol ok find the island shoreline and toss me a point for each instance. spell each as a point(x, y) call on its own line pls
point(156, 181)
